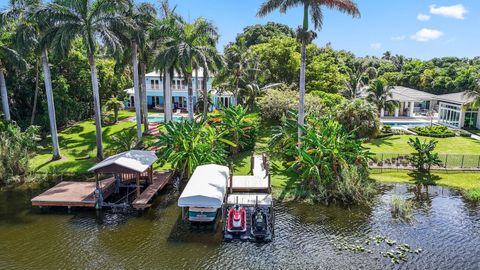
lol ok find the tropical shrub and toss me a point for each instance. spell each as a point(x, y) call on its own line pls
point(237, 126)
point(125, 140)
point(359, 117)
point(275, 103)
point(424, 158)
point(331, 164)
point(434, 131)
point(17, 147)
point(329, 100)
point(186, 145)
point(401, 208)
point(114, 104)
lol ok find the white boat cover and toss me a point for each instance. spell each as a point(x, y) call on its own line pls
point(206, 188)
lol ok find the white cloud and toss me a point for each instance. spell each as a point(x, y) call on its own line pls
point(426, 34)
point(423, 17)
point(376, 45)
point(399, 38)
point(455, 11)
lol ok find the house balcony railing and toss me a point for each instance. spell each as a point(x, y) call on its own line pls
point(151, 87)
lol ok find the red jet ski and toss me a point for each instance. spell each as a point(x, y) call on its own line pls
point(237, 220)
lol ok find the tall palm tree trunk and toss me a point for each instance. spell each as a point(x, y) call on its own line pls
point(190, 98)
point(51, 105)
point(303, 60)
point(197, 87)
point(35, 96)
point(3, 90)
point(136, 90)
point(143, 71)
point(237, 94)
point(205, 94)
point(96, 105)
point(168, 97)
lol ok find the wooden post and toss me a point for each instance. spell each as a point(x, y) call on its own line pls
point(231, 177)
point(138, 185)
point(269, 184)
point(252, 163)
point(98, 193)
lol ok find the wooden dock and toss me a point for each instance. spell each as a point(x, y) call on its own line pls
point(250, 199)
point(74, 194)
point(159, 181)
point(258, 182)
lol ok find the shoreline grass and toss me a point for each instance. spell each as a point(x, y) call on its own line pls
point(466, 182)
point(398, 144)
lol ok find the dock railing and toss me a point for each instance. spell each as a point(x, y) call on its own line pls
point(453, 162)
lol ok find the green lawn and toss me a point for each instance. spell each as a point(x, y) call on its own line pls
point(468, 183)
point(398, 144)
point(76, 142)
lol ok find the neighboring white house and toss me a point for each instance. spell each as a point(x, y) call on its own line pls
point(155, 98)
point(411, 101)
point(457, 110)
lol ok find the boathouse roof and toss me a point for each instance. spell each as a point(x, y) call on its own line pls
point(133, 161)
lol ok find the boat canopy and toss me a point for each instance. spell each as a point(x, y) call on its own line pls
point(133, 161)
point(206, 188)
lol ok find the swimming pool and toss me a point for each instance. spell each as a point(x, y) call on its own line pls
point(161, 119)
point(407, 124)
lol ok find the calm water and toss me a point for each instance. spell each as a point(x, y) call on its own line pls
point(445, 226)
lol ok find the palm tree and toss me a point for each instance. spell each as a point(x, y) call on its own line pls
point(166, 64)
point(314, 7)
point(9, 57)
point(474, 92)
point(113, 104)
point(135, 39)
point(380, 94)
point(357, 72)
point(30, 35)
point(93, 21)
point(190, 45)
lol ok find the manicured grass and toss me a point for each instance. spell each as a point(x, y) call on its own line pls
point(76, 142)
point(468, 183)
point(399, 144)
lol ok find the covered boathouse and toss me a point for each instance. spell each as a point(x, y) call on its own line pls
point(131, 171)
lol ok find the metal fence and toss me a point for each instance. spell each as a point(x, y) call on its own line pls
point(401, 161)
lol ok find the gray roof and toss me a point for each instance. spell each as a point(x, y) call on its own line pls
point(135, 160)
point(457, 98)
point(401, 93)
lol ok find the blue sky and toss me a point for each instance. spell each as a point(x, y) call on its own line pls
point(416, 28)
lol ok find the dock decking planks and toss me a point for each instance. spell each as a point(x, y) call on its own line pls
point(249, 199)
point(160, 180)
point(68, 193)
point(258, 182)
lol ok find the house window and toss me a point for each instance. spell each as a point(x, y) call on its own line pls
point(471, 117)
point(155, 84)
point(449, 115)
point(225, 102)
point(182, 102)
point(132, 101)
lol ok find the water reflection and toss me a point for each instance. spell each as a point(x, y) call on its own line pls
point(445, 226)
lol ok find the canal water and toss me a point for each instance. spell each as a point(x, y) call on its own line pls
point(445, 231)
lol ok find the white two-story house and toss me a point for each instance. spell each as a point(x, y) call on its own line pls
point(155, 98)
